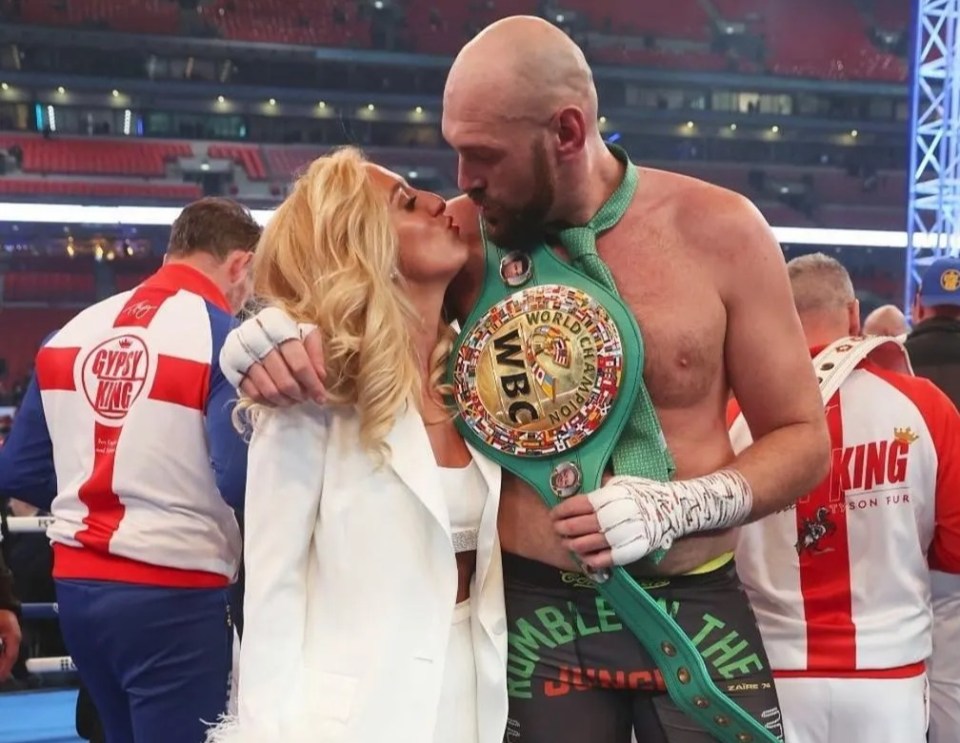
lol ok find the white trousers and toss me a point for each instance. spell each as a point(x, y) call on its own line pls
point(457, 717)
point(841, 710)
point(944, 664)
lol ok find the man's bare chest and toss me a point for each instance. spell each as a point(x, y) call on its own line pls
point(682, 320)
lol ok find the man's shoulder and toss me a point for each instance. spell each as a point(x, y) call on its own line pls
point(219, 317)
point(921, 392)
point(88, 321)
point(703, 213)
point(105, 307)
point(174, 310)
point(676, 189)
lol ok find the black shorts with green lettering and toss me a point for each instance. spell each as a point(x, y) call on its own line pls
point(575, 674)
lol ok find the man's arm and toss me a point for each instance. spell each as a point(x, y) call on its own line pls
point(228, 450)
point(769, 369)
point(275, 361)
point(26, 458)
point(943, 423)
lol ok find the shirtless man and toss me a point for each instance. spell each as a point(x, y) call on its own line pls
point(705, 277)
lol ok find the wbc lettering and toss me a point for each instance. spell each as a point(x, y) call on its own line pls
point(509, 353)
point(538, 372)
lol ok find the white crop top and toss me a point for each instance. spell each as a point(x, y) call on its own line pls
point(466, 494)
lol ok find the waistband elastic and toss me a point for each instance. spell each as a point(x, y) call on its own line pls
point(83, 564)
point(911, 670)
point(710, 565)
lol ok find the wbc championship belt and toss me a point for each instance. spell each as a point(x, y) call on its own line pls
point(545, 374)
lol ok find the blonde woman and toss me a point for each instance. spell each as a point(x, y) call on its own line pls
point(374, 598)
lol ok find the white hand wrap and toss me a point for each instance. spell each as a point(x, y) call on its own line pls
point(638, 516)
point(255, 338)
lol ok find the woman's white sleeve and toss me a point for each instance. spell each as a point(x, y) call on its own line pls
point(284, 484)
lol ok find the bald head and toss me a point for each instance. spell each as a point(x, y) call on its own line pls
point(521, 67)
point(520, 110)
point(886, 320)
point(824, 297)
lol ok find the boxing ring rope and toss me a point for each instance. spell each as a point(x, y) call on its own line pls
point(29, 524)
point(40, 611)
point(40, 666)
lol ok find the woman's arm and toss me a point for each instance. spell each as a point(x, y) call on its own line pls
point(284, 484)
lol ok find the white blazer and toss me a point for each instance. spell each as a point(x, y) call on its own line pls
point(350, 587)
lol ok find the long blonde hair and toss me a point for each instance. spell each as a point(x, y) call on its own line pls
point(329, 256)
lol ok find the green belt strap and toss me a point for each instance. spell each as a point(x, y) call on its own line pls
point(685, 674)
point(686, 677)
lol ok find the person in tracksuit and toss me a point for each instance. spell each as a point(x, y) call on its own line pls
point(130, 414)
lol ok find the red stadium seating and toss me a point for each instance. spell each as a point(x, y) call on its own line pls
point(661, 58)
point(682, 19)
point(100, 189)
point(23, 331)
point(782, 215)
point(436, 28)
point(305, 22)
point(836, 187)
point(891, 15)
point(883, 285)
point(81, 156)
point(286, 162)
point(740, 10)
point(820, 39)
point(134, 16)
point(245, 156)
point(863, 217)
point(125, 281)
point(279, 164)
point(830, 185)
point(39, 286)
point(842, 49)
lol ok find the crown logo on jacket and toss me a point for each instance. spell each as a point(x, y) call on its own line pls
point(124, 343)
point(905, 435)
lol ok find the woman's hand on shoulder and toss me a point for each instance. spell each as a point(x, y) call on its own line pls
point(275, 361)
